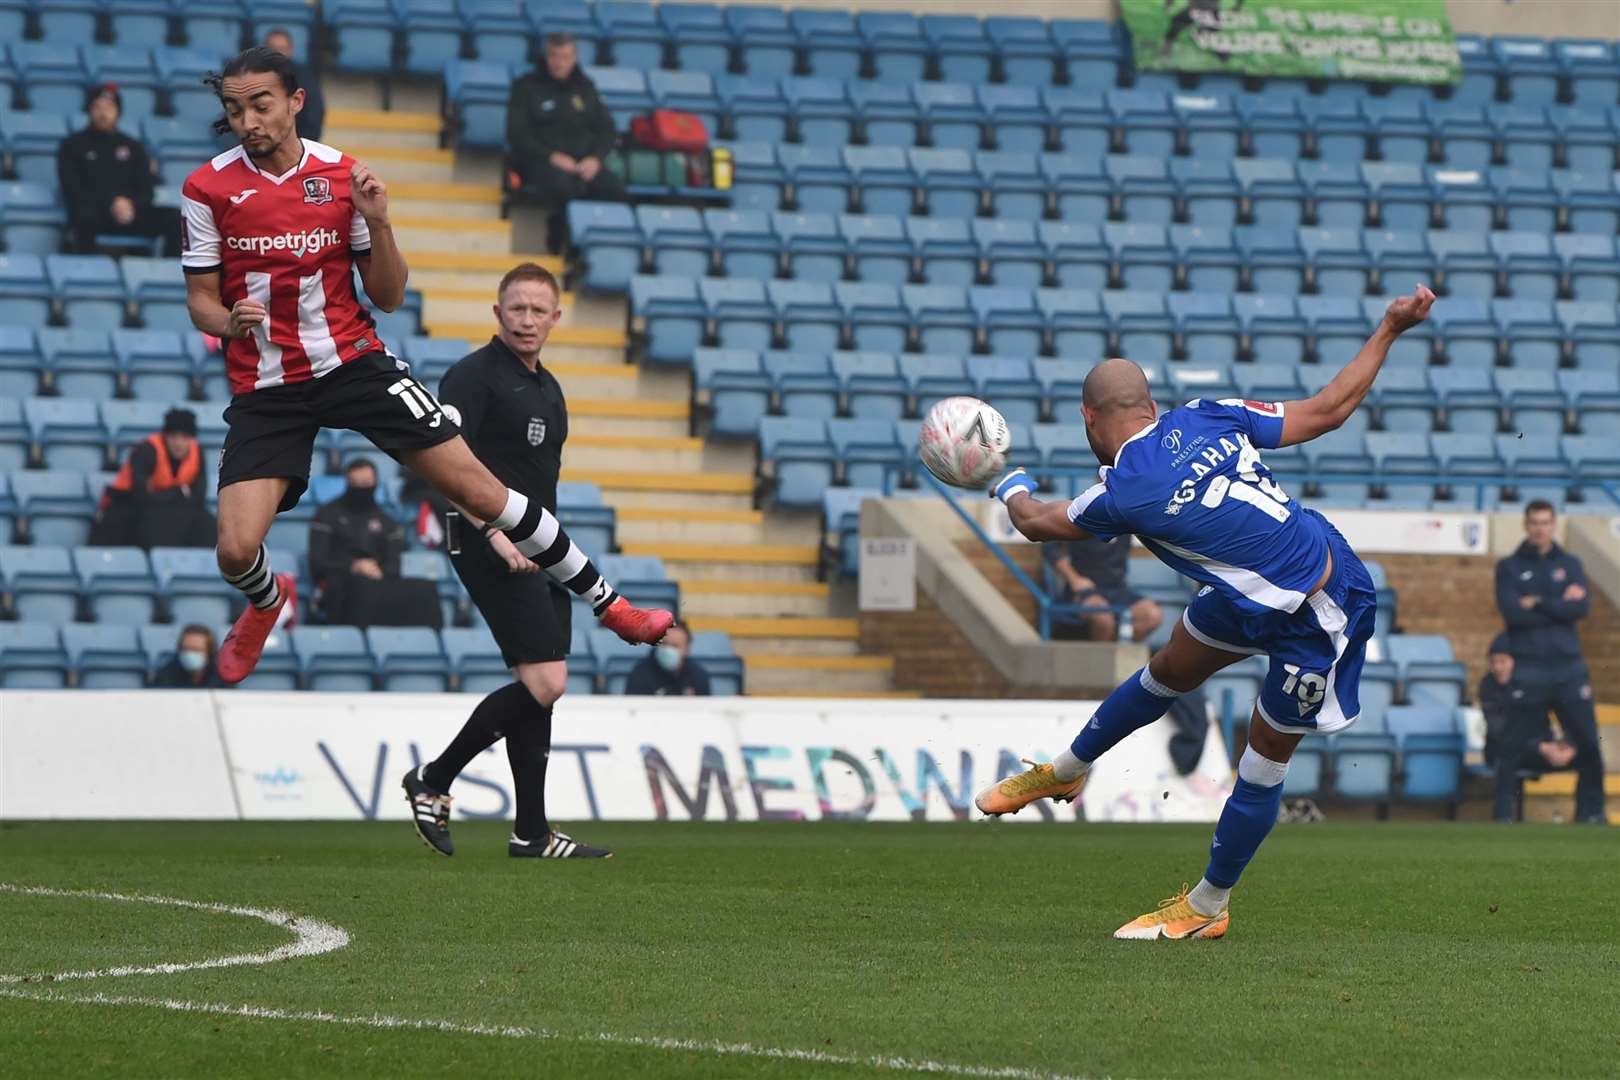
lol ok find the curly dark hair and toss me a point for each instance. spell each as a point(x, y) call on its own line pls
point(255, 61)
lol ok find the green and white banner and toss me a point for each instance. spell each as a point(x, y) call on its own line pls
point(1375, 40)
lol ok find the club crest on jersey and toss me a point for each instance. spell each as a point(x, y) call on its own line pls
point(317, 190)
point(537, 431)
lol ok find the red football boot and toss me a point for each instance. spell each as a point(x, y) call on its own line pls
point(239, 654)
point(638, 626)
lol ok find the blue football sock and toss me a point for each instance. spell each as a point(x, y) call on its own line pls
point(1248, 816)
point(1136, 702)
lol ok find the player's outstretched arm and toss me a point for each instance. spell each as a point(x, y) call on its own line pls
point(1035, 519)
point(1331, 406)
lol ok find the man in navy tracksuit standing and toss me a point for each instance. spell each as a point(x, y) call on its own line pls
point(1542, 593)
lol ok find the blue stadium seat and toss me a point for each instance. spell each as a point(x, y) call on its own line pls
point(945, 250)
point(884, 180)
point(1008, 320)
point(55, 505)
point(362, 34)
point(80, 363)
point(53, 73)
point(1091, 48)
point(737, 388)
point(830, 42)
point(1209, 126)
point(1272, 258)
point(1536, 405)
point(1274, 195)
point(1140, 323)
point(1061, 383)
point(960, 47)
point(885, 113)
point(1594, 80)
point(1405, 398)
point(1142, 189)
point(432, 34)
point(932, 377)
point(805, 383)
point(1531, 331)
point(948, 181)
point(895, 40)
point(1594, 398)
point(941, 320)
point(14, 444)
point(674, 316)
point(1337, 127)
point(1273, 126)
point(875, 316)
point(157, 289)
point(700, 39)
point(476, 92)
point(1465, 199)
point(1529, 68)
point(1273, 325)
point(642, 578)
point(29, 140)
point(117, 584)
point(1526, 197)
point(1465, 264)
point(1207, 329)
point(819, 111)
point(1593, 330)
point(1079, 188)
point(1363, 765)
point(740, 311)
point(1080, 259)
point(623, 88)
point(333, 657)
point(105, 657)
point(1208, 191)
point(1084, 126)
point(1024, 47)
point(40, 583)
point(25, 294)
point(475, 659)
point(1201, 379)
point(1594, 459)
point(21, 363)
point(501, 34)
point(32, 657)
point(802, 456)
point(815, 251)
point(1206, 258)
point(809, 314)
point(878, 246)
point(1010, 383)
point(409, 659)
point(872, 384)
point(67, 432)
point(821, 181)
point(712, 649)
point(1339, 196)
point(193, 592)
point(744, 242)
point(1061, 446)
point(609, 239)
point(1143, 123)
point(89, 289)
point(1398, 257)
point(1142, 257)
point(864, 448)
point(1016, 118)
point(1012, 250)
point(31, 216)
point(1075, 322)
point(766, 42)
point(754, 107)
point(632, 31)
point(1590, 266)
point(1402, 132)
point(1337, 263)
point(1266, 382)
point(678, 239)
point(841, 524)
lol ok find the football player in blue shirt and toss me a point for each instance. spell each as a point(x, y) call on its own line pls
point(1278, 579)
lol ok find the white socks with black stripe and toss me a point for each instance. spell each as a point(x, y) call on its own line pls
point(539, 535)
point(258, 584)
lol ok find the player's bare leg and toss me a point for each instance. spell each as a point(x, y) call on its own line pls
point(1181, 666)
point(246, 509)
point(1247, 817)
point(455, 472)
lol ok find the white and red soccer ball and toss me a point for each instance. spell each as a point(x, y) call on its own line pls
point(964, 442)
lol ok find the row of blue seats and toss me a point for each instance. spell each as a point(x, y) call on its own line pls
point(734, 388)
point(98, 292)
point(1416, 754)
point(805, 456)
point(1150, 123)
point(901, 47)
point(679, 315)
point(616, 241)
point(53, 77)
point(126, 586)
point(409, 659)
point(220, 26)
point(1146, 190)
point(177, 145)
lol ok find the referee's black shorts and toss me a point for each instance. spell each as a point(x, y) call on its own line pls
point(272, 431)
point(530, 616)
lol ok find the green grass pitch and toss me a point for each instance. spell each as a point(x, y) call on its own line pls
point(816, 950)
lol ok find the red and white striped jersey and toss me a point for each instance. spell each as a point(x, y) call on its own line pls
point(288, 242)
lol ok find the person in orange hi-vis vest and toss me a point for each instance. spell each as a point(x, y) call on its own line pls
point(159, 497)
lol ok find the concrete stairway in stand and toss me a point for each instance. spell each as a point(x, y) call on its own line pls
point(748, 572)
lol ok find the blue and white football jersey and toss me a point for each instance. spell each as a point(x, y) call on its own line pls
point(1192, 487)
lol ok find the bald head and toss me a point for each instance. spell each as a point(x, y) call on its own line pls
point(1115, 386)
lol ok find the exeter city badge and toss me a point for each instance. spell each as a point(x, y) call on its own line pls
point(537, 431)
point(317, 190)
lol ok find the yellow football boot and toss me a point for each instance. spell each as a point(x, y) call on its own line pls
point(1175, 920)
point(1016, 792)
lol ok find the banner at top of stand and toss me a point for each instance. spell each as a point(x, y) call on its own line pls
point(1372, 40)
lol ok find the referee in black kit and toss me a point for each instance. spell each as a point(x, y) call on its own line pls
point(512, 413)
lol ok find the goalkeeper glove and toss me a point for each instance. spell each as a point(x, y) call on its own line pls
point(1009, 485)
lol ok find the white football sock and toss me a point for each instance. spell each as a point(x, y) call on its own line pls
point(1068, 767)
point(1207, 899)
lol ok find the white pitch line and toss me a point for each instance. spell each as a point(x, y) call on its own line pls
point(312, 936)
point(887, 1062)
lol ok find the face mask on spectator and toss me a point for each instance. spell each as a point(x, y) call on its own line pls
point(668, 657)
point(193, 661)
point(360, 498)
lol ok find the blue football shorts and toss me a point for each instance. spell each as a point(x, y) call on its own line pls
point(1317, 651)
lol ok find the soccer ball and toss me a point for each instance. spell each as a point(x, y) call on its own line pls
point(964, 442)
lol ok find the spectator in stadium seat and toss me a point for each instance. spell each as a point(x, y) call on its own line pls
point(354, 556)
point(669, 671)
point(1093, 572)
point(160, 496)
point(107, 182)
point(1541, 592)
point(559, 133)
point(192, 667)
point(1517, 737)
point(312, 117)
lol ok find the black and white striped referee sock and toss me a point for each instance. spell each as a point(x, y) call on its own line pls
point(259, 583)
point(539, 535)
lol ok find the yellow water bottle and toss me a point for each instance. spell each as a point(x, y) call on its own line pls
point(722, 168)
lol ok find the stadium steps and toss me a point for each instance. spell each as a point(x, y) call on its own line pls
point(736, 598)
point(853, 675)
point(441, 234)
point(666, 483)
point(1563, 783)
point(655, 525)
point(770, 554)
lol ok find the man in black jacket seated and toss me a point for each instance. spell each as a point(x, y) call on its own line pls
point(559, 131)
point(1517, 736)
point(107, 181)
point(354, 556)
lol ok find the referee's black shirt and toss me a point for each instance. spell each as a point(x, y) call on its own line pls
point(514, 419)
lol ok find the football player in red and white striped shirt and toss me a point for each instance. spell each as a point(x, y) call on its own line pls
point(272, 233)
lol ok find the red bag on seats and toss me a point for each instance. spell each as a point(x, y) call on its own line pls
point(670, 129)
